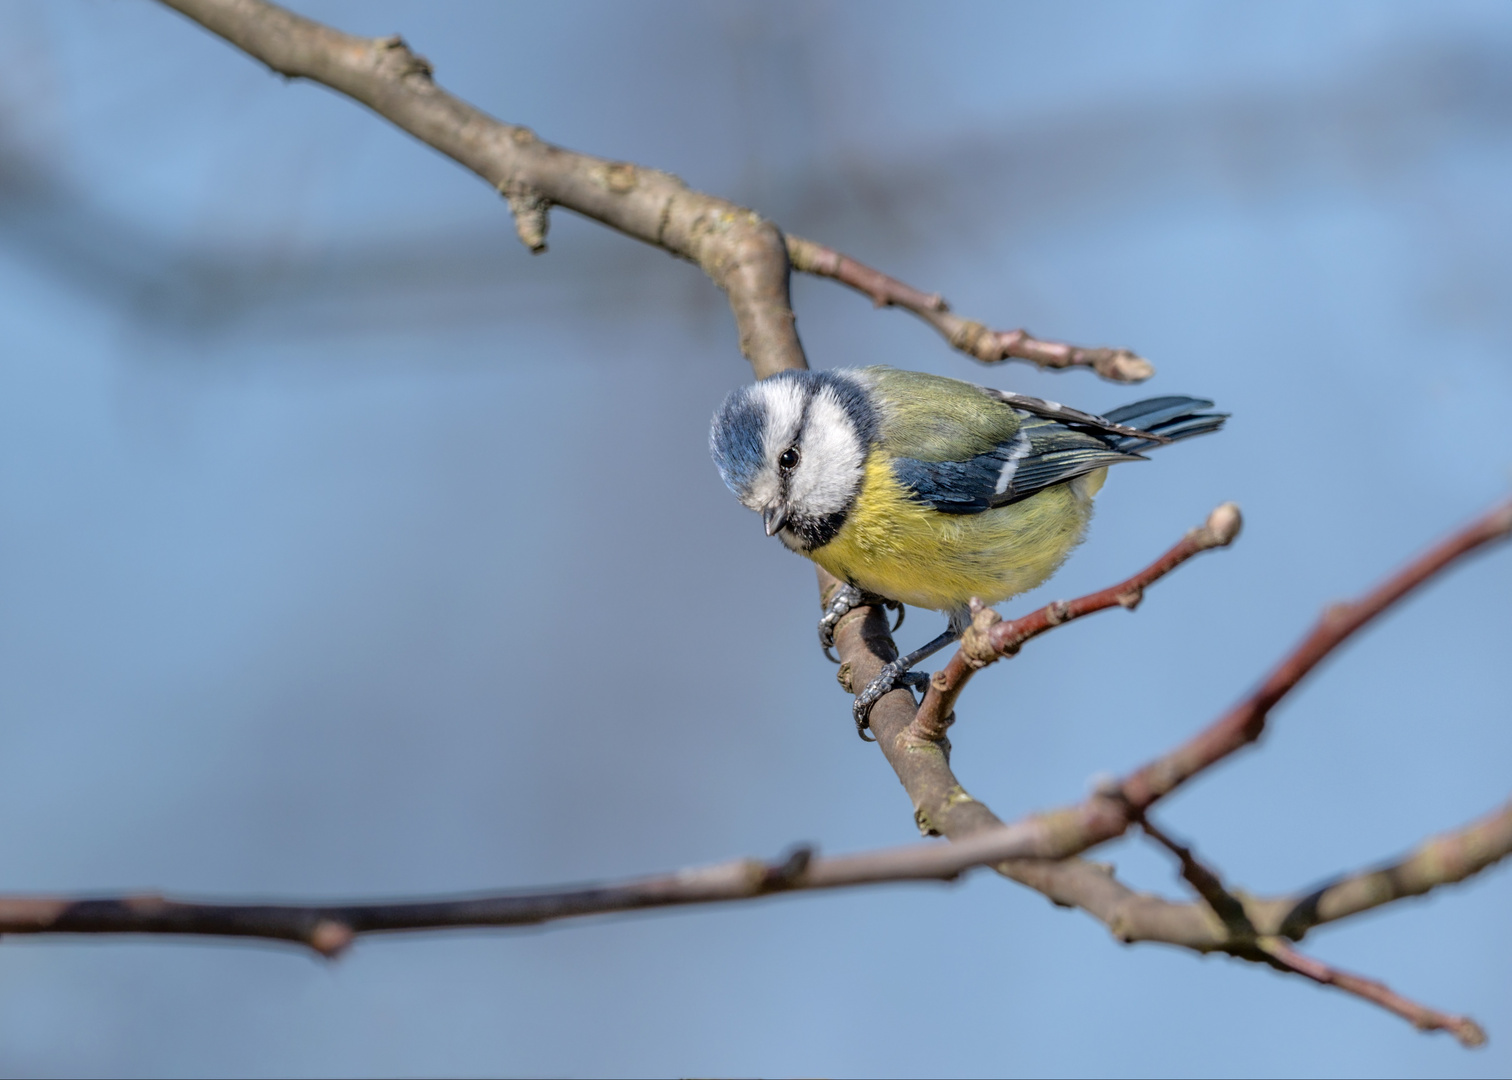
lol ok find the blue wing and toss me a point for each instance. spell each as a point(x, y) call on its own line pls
point(1047, 451)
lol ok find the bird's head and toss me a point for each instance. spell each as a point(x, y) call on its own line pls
point(793, 448)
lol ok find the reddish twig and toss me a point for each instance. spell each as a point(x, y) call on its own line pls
point(1245, 722)
point(1283, 956)
point(1206, 883)
point(990, 638)
point(1110, 812)
point(970, 337)
point(1244, 942)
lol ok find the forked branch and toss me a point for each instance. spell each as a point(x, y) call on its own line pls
point(745, 255)
point(941, 804)
point(990, 638)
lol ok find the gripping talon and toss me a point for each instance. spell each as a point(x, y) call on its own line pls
point(899, 607)
point(890, 678)
point(844, 600)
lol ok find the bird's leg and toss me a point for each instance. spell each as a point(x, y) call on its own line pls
point(898, 673)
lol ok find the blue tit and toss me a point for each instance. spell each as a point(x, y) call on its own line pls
point(924, 490)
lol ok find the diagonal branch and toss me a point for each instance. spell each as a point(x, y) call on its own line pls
point(1271, 949)
point(1112, 810)
point(743, 254)
point(1444, 860)
point(1206, 883)
point(1285, 958)
point(942, 806)
point(1245, 722)
point(989, 638)
point(966, 335)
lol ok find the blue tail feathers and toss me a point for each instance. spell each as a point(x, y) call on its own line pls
point(1171, 417)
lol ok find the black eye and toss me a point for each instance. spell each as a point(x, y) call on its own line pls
point(789, 459)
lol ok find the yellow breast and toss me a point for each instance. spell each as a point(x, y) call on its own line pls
point(904, 550)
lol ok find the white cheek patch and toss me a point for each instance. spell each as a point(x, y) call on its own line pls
point(830, 469)
point(763, 489)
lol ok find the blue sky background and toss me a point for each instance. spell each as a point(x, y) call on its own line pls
point(311, 479)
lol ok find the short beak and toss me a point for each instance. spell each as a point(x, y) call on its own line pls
point(775, 517)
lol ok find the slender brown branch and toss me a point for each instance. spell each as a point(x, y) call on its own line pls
point(1111, 811)
point(1247, 944)
point(329, 928)
point(966, 335)
point(991, 638)
point(742, 253)
point(1284, 957)
point(943, 807)
point(941, 804)
point(1206, 883)
point(1245, 722)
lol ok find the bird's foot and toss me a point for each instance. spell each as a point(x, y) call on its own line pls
point(843, 601)
point(891, 677)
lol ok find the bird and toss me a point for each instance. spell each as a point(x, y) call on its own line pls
point(922, 490)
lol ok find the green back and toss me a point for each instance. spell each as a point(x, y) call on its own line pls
point(933, 418)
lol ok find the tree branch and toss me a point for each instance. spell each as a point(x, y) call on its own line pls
point(1284, 957)
point(1245, 722)
point(989, 638)
point(1271, 949)
point(942, 806)
point(743, 254)
point(966, 335)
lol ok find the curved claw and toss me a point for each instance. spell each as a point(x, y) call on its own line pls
point(890, 678)
point(898, 605)
point(844, 600)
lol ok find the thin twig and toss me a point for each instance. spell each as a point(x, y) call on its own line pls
point(965, 335)
point(1246, 944)
point(329, 928)
point(1205, 882)
point(1283, 956)
point(1245, 722)
point(991, 638)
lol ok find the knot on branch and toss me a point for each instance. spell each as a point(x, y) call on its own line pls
point(980, 341)
point(397, 60)
point(619, 177)
point(532, 213)
point(976, 642)
point(787, 874)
